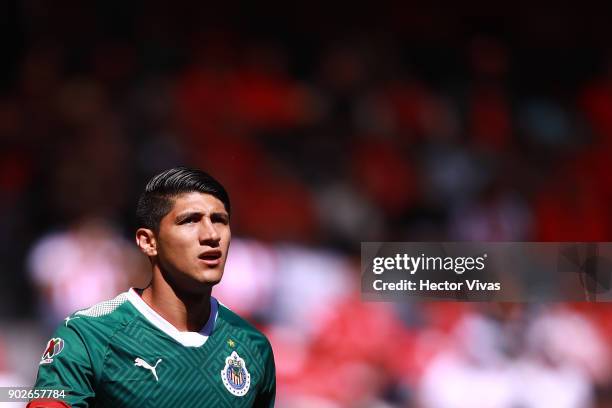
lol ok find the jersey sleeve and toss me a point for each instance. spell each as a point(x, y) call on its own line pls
point(267, 393)
point(66, 364)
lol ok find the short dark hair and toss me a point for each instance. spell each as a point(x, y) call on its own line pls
point(157, 199)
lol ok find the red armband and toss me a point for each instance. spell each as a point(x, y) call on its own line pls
point(47, 403)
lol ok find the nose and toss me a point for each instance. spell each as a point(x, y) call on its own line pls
point(209, 234)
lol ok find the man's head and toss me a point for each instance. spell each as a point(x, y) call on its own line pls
point(183, 217)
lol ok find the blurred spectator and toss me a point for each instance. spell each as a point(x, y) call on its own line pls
point(249, 280)
point(516, 362)
point(81, 266)
point(495, 218)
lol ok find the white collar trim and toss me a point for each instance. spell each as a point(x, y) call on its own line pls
point(187, 338)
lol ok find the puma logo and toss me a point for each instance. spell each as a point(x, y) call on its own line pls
point(139, 362)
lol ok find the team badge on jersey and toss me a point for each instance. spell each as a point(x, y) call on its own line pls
point(54, 347)
point(235, 375)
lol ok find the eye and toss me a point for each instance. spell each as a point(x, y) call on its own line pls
point(220, 218)
point(190, 220)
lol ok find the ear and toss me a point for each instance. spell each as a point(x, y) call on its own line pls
point(145, 239)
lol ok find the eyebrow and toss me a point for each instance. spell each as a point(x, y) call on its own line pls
point(188, 214)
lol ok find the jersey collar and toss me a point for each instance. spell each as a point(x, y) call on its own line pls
point(187, 339)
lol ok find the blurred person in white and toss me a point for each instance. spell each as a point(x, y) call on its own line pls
point(557, 357)
point(565, 357)
point(248, 289)
point(292, 285)
point(84, 264)
point(472, 372)
point(311, 284)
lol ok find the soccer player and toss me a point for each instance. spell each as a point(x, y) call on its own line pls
point(170, 344)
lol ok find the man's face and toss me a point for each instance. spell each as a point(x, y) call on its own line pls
point(193, 241)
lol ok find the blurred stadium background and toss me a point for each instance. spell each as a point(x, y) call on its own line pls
point(329, 126)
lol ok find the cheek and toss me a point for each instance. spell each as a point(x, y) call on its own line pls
point(174, 243)
point(226, 241)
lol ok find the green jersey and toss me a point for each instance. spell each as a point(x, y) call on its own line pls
point(121, 353)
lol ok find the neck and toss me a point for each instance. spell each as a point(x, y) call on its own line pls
point(185, 311)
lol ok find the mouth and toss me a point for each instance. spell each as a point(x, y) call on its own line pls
point(211, 258)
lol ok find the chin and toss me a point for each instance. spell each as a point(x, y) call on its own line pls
point(210, 277)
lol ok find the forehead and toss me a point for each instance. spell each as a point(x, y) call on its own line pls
point(196, 201)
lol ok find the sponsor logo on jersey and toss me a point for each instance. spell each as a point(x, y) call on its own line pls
point(235, 375)
point(54, 347)
point(139, 362)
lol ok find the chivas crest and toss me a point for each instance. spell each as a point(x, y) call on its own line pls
point(235, 375)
